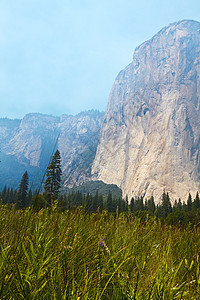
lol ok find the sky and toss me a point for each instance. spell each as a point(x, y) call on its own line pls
point(62, 57)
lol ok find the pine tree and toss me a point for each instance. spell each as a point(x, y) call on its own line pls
point(88, 200)
point(196, 203)
point(22, 192)
point(189, 202)
point(126, 203)
point(120, 205)
point(53, 179)
point(175, 206)
point(184, 207)
point(146, 204)
point(139, 204)
point(132, 204)
point(3, 194)
point(179, 206)
point(151, 205)
point(95, 202)
point(100, 203)
point(11, 196)
point(166, 207)
point(109, 202)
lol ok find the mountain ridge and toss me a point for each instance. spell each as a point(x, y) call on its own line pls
point(27, 144)
point(152, 118)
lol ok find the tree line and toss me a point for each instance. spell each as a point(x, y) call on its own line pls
point(181, 213)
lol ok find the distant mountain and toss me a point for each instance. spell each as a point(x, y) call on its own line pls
point(27, 144)
point(150, 137)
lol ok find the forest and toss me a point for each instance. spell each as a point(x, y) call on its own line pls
point(178, 213)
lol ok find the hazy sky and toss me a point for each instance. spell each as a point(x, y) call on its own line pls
point(62, 56)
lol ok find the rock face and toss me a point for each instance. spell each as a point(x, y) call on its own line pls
point(79, 137)
point(27, 144)
point(150, 137)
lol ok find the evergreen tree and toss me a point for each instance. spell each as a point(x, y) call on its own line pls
point(15, 196)
point(22, 192)
point(109, 202)
point(126, 203)
point(196, 203)
point(179, 206)
point(88, 200)
point(53, 179)
point(175, 206)
point(114, 205)
point(95, 202)
point(146, 204)
point(11, 196)
point(120, 205)
point(3, 194)
point(78, 199)
point(139, 204)
point(151, 205)
point(189, 202)
point(184, 206)
point(100, 203)
point(166, 207)
point(132, 204)
point(7, 196)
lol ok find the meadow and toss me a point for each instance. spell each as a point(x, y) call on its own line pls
point(80, 255)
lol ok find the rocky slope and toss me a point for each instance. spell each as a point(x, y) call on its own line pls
point(79, 137)
point(27, 144)
point(150, 134)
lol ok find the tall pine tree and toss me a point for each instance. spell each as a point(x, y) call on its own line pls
point(151, 205)
point(53, 179)
point(196, 203)
point(166, 207)
point(189, 202)
point(22, 192)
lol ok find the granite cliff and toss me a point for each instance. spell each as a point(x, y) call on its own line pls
point(150, 137)
point(27, 144)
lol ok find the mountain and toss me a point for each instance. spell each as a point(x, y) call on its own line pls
point(148, 140)
point(28, 144)
point(150, 137)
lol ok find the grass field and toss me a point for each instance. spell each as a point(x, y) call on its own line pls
point(77, 255)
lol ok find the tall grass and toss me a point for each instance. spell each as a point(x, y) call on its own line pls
point(76, 255)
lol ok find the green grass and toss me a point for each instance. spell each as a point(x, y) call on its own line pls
point(54, 255)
